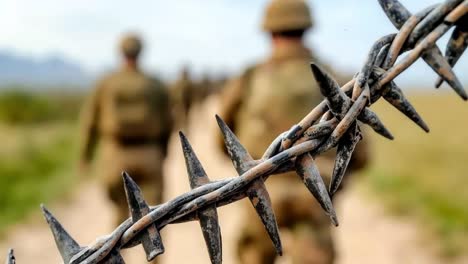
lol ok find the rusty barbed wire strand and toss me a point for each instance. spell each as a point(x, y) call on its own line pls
point(335, 122)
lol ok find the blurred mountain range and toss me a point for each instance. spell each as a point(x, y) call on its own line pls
point(53, 70)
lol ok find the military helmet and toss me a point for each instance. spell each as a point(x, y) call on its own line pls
point(286, 15)
point(131, 45)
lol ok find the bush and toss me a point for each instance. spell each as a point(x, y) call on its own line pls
point(20, 106)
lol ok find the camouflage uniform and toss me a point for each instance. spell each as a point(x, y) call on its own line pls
point(129, 113)
point(264, 102)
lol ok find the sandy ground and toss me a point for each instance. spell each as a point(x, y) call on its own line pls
point(366, 234)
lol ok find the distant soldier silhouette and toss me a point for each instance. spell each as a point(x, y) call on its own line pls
point(266, 100)
point(182, 93)
point(128, 112)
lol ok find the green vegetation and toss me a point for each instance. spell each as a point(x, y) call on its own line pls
point(426, 175)
point(20, 106)
point(38, 170)
point(36, 130)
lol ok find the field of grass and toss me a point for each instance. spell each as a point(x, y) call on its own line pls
point(22, 106)
point(35, 167)
point(38, 149)
point(426, 175)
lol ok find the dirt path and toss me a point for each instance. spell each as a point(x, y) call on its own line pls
point(366, 235)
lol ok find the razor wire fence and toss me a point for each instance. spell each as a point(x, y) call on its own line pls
point(334, 123)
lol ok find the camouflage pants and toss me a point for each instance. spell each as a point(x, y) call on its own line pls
point(151, 190)
point(304, 227)
point(144, 165)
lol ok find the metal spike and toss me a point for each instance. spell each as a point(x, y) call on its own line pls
point(257, 192)
point(65, 243)
point(344, 124)
point(310, 175)
point(337, 100)
point(394, 95)
point(260, 199)
point(370, 118)
point(395, 11)
point(195, 171)
point(398, 14)
point(150, 238)
point(208, 218)
point(456, 46)
point(11, 257)
point(240, 158)
point(439, 64)
point(344, 152)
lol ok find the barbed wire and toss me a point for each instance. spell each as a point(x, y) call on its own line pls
point(334, 123)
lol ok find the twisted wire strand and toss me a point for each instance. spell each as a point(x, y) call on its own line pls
point(335, 122)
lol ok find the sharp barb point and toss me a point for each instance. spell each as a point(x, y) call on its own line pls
point(396, 98)
point(260, 199)
point(344, 153)
point(337, 100)
point(65, 243)
point(395, 11)
point(370, 118)
point(439, 64)
point(195, 170)
point(240, 158)
point(208, 217)
point(310, 175)
point(150, 238)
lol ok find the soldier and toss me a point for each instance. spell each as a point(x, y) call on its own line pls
point(129, 114)
point(266, 100)
point(182, 97)
point(203, 89)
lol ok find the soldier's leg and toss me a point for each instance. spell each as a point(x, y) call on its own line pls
point(254, 245)
point(151, 186)
point(309, 228)
point(302, 221)
point(311, 244)
point(116, 194)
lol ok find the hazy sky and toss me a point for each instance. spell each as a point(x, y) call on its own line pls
point(213, 35)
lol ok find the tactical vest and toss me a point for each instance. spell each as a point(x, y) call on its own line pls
point(275, 97)
point(134, 106)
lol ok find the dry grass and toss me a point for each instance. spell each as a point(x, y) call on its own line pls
point(426, 175)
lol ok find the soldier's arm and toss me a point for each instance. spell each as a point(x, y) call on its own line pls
point(230, 99)
point(89, 125)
